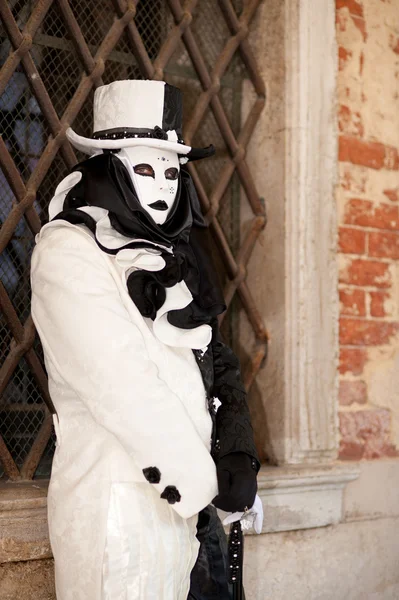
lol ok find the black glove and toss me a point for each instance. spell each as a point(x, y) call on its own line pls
point(236, 473)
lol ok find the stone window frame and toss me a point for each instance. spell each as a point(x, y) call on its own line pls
point(296, 150)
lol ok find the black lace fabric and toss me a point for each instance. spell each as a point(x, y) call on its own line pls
point(221, 374)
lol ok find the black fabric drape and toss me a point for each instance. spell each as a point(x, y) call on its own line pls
point(221, 374)
point(106, 183)
point(208, 580)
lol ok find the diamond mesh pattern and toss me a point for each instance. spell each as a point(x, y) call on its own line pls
point(21, 11)
point(94, 18)
point(211, 31)
point(53, 25)
point(60, 73)
point(53, 54)
point(45, 192)
point(22, 127)
point(21, 413)
point(151, 22)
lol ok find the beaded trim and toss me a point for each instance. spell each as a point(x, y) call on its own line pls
point(121, 133)
point(236, 555)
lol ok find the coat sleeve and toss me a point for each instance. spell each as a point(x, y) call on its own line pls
point(101, 354)
point(233, 421)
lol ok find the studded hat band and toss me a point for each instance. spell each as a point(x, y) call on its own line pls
point(121, 133)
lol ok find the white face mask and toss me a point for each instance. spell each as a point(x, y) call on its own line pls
point(155, 178)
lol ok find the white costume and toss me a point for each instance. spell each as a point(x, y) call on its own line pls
point(133, 466)
point(111, 381)
point(126, 400)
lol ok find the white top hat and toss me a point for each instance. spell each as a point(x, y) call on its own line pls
point(137, 113)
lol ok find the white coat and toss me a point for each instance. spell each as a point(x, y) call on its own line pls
point(125, 401)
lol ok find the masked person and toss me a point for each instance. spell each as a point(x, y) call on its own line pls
point(152, 422)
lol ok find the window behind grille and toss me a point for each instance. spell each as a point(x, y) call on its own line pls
point(26, 130)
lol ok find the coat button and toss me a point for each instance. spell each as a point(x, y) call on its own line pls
point(152, 474)
point(171, 494)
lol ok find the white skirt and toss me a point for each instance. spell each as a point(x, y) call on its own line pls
point(150, 550)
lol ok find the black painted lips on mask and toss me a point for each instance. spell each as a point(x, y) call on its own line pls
point(159, 205)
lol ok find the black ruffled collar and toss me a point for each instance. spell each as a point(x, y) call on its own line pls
point(106, 184)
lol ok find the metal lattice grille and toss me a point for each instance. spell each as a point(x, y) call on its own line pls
point(53, 54)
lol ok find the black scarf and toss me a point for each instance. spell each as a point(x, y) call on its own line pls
point(106, 184)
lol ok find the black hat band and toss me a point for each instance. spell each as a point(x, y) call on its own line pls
point(121, 133)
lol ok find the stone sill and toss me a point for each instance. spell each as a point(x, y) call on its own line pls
point(23, 521)
point(17, 495)
point(304, 497)
point(293, 498)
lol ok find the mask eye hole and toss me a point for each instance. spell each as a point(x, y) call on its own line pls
point(171, 173)
point(145, 170)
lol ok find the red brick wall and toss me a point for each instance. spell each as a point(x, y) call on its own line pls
point(368, 203)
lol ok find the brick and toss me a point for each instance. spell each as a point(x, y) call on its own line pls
point(386, 217)
point(355, 8)
point(360, 152)
point(393, 195)
point(350, 122)
point(384, 245)
point(366, 214)
point(352, 360)
point(351, 241)
point(343, 56)
point(363, 272)
point(378, 302)
point(352, 392)
point(350, 450)
point(359, 212)
point(355, 13)
point(363, 332)
point(353, 302)
point(366, 434)
point(368, 154)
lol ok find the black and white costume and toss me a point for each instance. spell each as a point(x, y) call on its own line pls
point(149, 400)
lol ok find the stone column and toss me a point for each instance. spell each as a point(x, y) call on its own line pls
point(293, 270)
